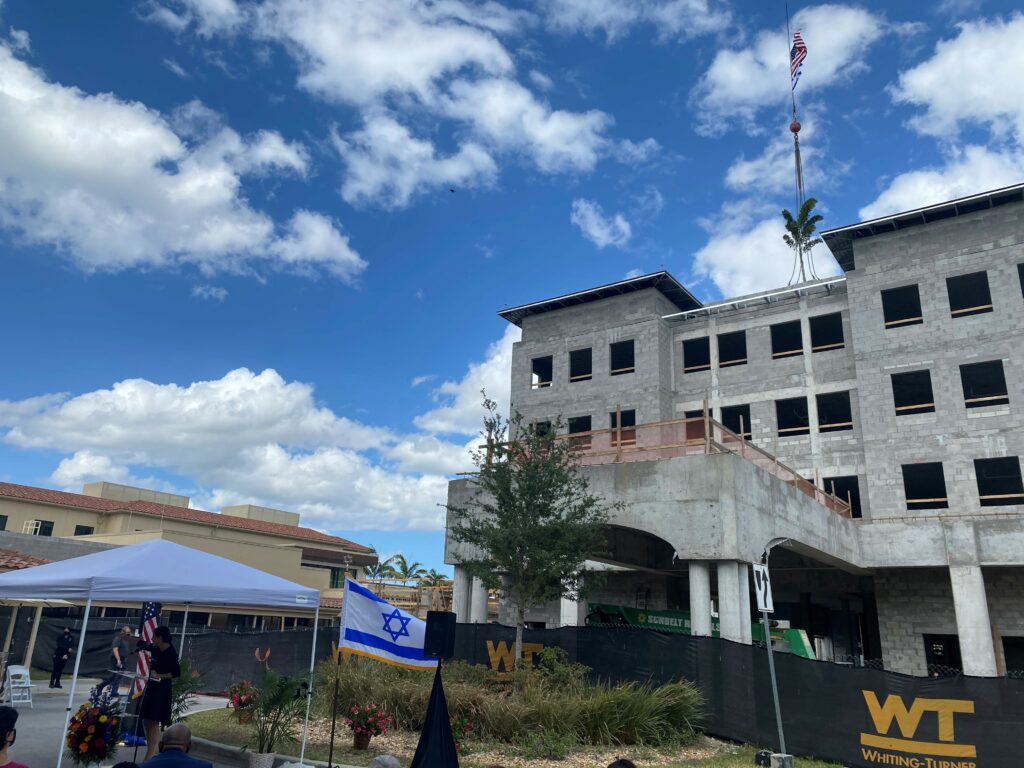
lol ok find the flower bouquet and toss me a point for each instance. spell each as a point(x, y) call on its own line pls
point(366, 722)
point(94, 729)
point(242, 698)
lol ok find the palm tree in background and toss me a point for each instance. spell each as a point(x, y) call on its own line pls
point(433, 579)
point(380, 571)
point(405, 571)
point(800, 236)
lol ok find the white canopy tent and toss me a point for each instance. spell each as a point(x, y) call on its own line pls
point(159, 571)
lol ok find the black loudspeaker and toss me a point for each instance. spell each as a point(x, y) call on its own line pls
point(439, 638)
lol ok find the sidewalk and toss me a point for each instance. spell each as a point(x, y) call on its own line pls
point(40, 729)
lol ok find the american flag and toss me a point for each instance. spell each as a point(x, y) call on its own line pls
point(150, 613)
point(797, 54)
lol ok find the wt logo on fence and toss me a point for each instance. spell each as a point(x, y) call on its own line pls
point(908, 720)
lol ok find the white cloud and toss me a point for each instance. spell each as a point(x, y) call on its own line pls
point(634, 273)
point(313, 242)
point(633, 153)
point(176, 68)
point(974, 78)
point(540, 80)
point(249, 437)
point(746, 254)
point(969, 171)
point(111, 184)
point(680, 19)
point(209, 16)
point(388, 166)
point(212, 292)
point(417, 380)
point(772, 170)
point(511, 118)
point(740, 82)
point(20, 41)
point(599, 229)
point(461, 411)
point(359, 52)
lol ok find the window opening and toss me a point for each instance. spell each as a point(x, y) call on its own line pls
point(984, 384)
point(622, 359)
point(732, 416)
point(846, 488)
point(999, 481)
point(84, 530)
point(578, 424)
point(912, 392)
point(542, 428)
point(827, 332)
point(3, 522)
point(792, 417)
point(1020, 276)
point(942, 655)
point(628, 427)
point(969, 294)
point(732, 349)
point(925, 486)
point(696, 355)
point(694, 428)
point(787, 340)
point(834, 412)
point(581, 364)
point(901, 306)
point(542, 372)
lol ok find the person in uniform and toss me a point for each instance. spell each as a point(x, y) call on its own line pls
point(65, 650)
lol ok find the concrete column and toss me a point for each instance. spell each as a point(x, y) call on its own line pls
point(30, 649)
point(972, 622)
point(729, 600)
point(743, 571)
point(568, 612)
point(478, 604)
point(461, 593)
point(700, 598)
point(10, 629)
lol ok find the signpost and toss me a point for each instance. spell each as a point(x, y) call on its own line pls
point(763, 590)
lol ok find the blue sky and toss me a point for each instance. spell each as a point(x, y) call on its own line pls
point(253, 251)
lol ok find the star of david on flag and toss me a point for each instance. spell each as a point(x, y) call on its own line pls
point(372, 627)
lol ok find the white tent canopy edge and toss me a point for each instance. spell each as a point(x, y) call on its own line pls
point(159, 571)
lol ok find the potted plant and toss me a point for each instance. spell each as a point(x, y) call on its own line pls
point(366, 722)
point(94, 729)
point(275, 717)
point(242, 698)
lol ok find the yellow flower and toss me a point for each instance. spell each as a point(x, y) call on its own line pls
point(103, 718)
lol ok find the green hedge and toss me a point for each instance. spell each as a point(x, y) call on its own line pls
point(555, 698)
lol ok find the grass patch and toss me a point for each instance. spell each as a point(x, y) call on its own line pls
point(220, 725)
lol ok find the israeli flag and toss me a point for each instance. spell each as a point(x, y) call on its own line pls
point(374, 628)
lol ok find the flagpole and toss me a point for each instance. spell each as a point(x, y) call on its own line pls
point(789, 43)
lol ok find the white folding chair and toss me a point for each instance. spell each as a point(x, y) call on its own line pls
point(19, 683)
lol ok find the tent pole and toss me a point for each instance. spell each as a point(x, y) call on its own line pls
point(309, 690)
point(74, 679)
point(184, 625)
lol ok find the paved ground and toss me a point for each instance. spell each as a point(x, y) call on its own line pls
point(40, 729)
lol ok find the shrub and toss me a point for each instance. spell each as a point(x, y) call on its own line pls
point(184, 689)
point(546, 745)
point(555, 698)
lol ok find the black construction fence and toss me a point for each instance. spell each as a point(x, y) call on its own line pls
point(859, 716)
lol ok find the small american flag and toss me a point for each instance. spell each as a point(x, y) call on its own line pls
point(797, 54)
point(150, 613)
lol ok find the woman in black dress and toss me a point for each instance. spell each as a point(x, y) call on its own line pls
point(156, 704)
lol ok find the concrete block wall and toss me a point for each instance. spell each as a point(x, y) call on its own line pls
point(991, 241)
point(635, 316)
point(763, 380)
point(912, 603)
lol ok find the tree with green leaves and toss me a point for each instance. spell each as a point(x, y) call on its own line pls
point(380, 571)
point(800, 233)
point(404, 571)
point(432, 578)
point(531, 521)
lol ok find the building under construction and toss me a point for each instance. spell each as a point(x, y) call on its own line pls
point(874, 421)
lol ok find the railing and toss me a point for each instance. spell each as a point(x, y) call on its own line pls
point(689, 437)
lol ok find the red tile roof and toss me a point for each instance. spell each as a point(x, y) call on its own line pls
point(81, 501)
point(330, 602)
point(12, 560)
